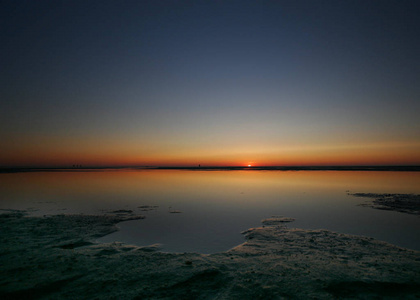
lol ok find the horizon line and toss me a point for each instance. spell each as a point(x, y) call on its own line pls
point(412, 168)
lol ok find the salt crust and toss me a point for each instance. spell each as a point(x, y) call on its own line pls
point(56, 257)
point(405, 203)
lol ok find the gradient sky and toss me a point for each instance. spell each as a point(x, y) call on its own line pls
point(209, 82)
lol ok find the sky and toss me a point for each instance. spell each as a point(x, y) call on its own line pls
point(182, 83)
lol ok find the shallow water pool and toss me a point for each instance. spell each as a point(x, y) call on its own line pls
point(206, 211)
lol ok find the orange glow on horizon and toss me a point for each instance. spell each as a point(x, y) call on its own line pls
point(102, 161)
point(129, 155)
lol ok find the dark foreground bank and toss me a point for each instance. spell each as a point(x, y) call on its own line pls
point(56, 257)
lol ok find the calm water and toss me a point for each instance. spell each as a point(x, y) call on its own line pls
point(217, 205)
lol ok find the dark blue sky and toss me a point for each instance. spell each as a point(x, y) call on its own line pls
point(218, 81)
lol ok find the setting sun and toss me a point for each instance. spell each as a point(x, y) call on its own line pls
point(249, 165)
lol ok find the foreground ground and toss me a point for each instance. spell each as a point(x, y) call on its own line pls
point(55, 257)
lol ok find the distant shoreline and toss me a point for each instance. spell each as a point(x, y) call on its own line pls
point(232, 168)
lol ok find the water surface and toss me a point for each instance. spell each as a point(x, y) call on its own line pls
point(216, 206)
